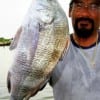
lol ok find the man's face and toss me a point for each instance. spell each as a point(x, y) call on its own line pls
point(85, 16)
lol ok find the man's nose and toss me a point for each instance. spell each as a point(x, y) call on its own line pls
point(85, 12)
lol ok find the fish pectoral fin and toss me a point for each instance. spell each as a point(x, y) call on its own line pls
point(8, 82)
point(42, 86)
point(15, 40)
point(31, 94)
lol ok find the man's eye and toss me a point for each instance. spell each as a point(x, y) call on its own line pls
point(93, 6)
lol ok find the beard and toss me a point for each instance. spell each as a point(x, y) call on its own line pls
point(82, 31)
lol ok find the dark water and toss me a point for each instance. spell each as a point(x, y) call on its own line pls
point(5, 63)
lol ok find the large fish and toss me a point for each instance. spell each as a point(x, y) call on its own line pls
point(38, 44)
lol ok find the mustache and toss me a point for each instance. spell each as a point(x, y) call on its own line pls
point(84, 19)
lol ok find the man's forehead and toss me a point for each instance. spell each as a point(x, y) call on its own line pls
point(88, 1)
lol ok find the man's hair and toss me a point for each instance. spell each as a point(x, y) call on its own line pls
point(71, 2)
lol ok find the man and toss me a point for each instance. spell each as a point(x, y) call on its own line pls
point(77, 74)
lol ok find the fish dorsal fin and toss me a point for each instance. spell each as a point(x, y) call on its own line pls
point(15, 40)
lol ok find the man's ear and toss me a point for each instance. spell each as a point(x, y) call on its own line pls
point(70, 11)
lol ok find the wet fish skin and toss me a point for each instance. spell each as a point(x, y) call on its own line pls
point(38, 44)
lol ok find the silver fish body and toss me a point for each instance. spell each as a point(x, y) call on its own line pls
point(39, 45)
